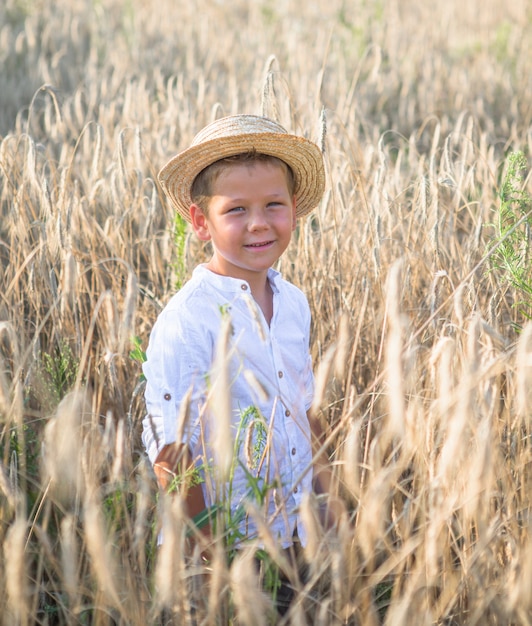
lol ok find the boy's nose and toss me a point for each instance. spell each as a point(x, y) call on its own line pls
point(257, 221)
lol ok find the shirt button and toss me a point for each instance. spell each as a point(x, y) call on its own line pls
point(243, 287)
point(295, 489)
point(280, 374)
point(167, 396)
point(287, 413)
point(293, 450)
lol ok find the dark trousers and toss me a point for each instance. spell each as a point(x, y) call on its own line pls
point(280, 584)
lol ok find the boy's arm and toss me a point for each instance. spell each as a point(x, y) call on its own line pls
point(172, 460)
point(322, 474)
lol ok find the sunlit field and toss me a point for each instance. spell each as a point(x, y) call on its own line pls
point(416, 266)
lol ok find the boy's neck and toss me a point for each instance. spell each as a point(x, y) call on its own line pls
point(264, 298)
point(260, 288)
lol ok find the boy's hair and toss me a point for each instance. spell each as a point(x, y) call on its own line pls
point(202, 186)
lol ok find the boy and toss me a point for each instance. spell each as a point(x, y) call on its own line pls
point(242, 184)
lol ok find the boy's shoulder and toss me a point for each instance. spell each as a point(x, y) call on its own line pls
point(191, 289)
point(195, 310)
point(194, 296)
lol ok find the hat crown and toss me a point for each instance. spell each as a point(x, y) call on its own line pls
point(236, 125)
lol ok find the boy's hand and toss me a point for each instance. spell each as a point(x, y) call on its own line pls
point(172, 461)
point(166, 464)
point(332, 507)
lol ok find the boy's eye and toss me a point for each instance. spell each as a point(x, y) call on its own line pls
point(235, 209)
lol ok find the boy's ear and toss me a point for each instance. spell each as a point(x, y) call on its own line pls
point(199, 223)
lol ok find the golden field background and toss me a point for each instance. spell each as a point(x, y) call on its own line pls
point(422, 351)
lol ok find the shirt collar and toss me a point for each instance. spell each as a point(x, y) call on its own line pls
point(227, 283)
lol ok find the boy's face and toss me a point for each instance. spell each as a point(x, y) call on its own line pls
point(251, 217)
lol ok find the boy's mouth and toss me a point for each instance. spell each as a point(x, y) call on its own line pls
point(261, 244)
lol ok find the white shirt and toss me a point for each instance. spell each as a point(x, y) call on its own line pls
point(277, 452)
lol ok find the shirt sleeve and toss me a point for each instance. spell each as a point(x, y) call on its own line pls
point(308, 372)
point(179, 355)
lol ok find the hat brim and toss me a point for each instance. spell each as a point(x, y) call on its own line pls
point(301, 155)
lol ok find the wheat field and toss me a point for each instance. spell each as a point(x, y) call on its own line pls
point(415, 264)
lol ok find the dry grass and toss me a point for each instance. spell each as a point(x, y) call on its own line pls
point(424, 375)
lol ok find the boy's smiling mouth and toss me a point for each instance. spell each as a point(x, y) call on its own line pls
point(261, 244)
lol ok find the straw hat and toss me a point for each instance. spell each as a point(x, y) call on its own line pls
point(238, 134)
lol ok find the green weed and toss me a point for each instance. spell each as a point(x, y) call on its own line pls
point(55, 375)
point(514, 220)
point(179, 237)
point(138, 354)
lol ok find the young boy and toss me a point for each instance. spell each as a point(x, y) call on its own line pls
point(242, 184)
